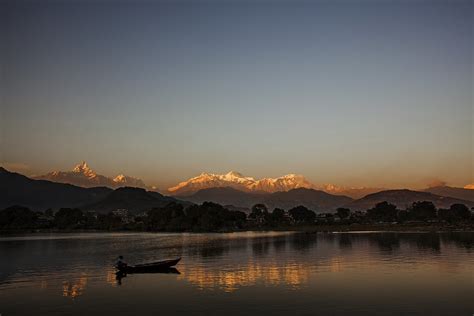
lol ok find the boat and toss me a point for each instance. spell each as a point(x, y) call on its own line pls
point(150, 267)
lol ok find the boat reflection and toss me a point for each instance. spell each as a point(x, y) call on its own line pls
point(121, 275)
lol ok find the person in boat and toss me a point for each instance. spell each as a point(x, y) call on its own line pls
point(120, 264)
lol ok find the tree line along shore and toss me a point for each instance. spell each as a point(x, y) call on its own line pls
point(212, 217)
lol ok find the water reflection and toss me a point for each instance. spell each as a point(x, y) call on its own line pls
point(118, 276)
point(345, 241)
point(387, 243)
point(305, 242)
point(459, 239)
point(75, 288)
point(326, 265)
point(252, 273)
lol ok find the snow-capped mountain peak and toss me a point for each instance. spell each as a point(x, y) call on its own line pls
point(84, 169)
point(123, 180)
point(235, 174)
point(120, 178)
point(82, 175)
point(238, 181)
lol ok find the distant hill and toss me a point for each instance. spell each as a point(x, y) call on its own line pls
point(403, 199)
point(316, 200)
point(355, 193)
point(132, 199)
point(16, 189)
point(458, 193)
point(226, 196)
point(313, 199)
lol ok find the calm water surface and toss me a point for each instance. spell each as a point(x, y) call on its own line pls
point(240, 273)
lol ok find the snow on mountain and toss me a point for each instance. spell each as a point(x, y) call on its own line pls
point(284, 183)
point(123, 180)
point(210, 180)
point(469, 186)
point(84, 169)
point(82, 175)
point(248, 184)
point(238, 181)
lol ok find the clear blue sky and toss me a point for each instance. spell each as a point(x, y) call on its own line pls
point(375, 93)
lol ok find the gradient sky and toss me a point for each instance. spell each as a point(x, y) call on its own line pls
point(373, 93)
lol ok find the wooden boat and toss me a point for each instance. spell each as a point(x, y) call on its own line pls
point(150, 267)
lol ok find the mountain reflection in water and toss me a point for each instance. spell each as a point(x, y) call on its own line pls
point(293, 276)
point(319, 272)
point(76, 288)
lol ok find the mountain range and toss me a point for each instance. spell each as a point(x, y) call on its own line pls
point(458, 193)
point(237, 181)
point(82, 175)
point(17, 189)
point(132, 199)
point(404, 198)
point(318, 200)
point(314, 199)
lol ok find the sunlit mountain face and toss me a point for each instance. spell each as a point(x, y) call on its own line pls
point(266, 185)
point(82, 175)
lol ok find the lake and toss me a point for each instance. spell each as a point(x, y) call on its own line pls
point(278, 273)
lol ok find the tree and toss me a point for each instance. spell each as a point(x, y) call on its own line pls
point(460, 211)
point(277, 218)
point(383, 211)
point(422, 210)
point(259, 213)
point(456, 212)
point(402, 216)
point(343, 213)
point(15, 217)
point(108, 221)
point(69, 218)
point(446, 215)
point(169, 217)
point(49, 212)
point(205, 217)
point(301, 214)
point(237, 218)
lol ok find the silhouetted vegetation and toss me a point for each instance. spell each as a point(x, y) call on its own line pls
point(383, 212)
point(17, 217)
point(210, 216)
point(343, 213)
point(205, 217)
point(422, 211)
point(277, 218)
point(69, 218)
point(302, 215)
point(259, 214)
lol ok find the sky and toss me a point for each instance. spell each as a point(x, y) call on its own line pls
point(356, 93)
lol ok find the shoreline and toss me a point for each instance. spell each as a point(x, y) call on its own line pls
point(342, 228)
